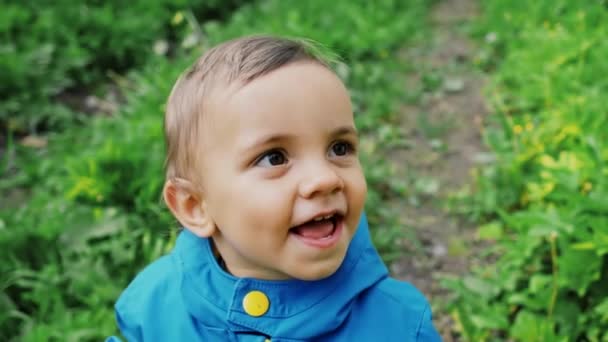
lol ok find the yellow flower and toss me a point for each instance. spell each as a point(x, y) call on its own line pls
point(84, 186)
point(177, 18)
point(517, 129)
point(570, 161)
point(547, 161)
point(536, 192)
point(571, 129)
point(568, 130)
point(529, 126)
point(587, 186)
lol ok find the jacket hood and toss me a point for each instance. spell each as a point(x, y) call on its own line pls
point(298, 309)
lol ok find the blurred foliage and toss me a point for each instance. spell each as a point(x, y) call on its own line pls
point(50, 50)
point(92, 216)
point(545, 199)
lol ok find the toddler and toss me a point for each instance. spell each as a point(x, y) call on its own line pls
point(262, 172)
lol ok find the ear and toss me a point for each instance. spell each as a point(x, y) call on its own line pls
point(188, 206)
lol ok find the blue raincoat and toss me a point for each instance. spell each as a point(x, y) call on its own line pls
point(186, 296)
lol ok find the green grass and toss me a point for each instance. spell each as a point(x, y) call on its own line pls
point(545, 199)
point(54, 50)
point(93, 217)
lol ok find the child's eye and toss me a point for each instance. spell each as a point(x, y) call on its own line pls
point(271, 158)
point(341, 148)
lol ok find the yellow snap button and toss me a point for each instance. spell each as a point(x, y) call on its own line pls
point(255, 303)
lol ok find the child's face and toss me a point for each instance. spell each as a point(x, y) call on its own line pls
point(278, 153)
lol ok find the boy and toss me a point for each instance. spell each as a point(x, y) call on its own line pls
point(263, 173)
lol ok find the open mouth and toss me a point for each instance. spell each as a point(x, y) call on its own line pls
point(322, 231)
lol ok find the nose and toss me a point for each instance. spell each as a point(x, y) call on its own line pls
point(320, 179)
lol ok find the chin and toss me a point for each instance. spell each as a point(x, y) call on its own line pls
point(318, 272)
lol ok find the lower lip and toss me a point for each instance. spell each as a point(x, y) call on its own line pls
point(326, 242)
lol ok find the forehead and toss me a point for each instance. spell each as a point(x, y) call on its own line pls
point(295, 98)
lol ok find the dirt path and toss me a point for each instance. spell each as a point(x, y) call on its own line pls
point(443, 129)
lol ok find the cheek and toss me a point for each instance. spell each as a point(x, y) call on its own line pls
point(255, 203)
point(358, 201)
point(358, 188)
point(356, 198)
point(222, 198)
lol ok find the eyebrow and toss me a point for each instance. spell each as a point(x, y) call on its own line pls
point(273, 138)
point(344, 130)
point(266, 140)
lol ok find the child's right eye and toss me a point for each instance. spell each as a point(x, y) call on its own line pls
point(271, 158)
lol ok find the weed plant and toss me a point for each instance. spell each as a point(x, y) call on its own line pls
point(545, 200)
point(54, 53)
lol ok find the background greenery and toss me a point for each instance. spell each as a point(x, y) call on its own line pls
point(51, 51)
point(80, 208)
point(545, 200)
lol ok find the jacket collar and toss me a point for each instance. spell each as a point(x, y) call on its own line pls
point(209, 290)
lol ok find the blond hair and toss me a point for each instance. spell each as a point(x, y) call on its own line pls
point(240, 60)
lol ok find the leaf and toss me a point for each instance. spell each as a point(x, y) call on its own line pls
point(481, 287)
point(578, 269)
point(490, 231)
point(602, 310)
point(531, 327)
point(584, 246)
point(568, 317)
point(539, 282)
point(493, 317)
point(427, 185)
